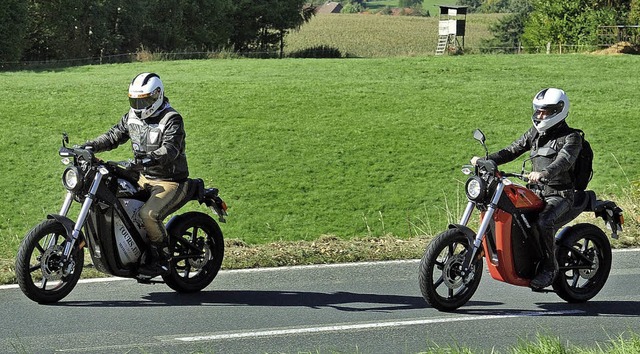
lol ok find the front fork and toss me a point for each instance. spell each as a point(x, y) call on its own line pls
point(484, 225)
point(84, 211)
point(66, 205)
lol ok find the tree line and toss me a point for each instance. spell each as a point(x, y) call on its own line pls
point(535, 23)
point(44, 30)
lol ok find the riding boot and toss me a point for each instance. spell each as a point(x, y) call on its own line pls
point(158, 262)
point(549, 268)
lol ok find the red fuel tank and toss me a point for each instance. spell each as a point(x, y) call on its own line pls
point(523, 198)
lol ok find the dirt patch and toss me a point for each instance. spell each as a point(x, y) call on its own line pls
point(620, 48)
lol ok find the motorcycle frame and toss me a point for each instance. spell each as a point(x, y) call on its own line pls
point(99, 234)
point(499, 218)
point(507, 215)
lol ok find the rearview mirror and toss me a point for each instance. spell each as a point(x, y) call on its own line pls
point(479, 135)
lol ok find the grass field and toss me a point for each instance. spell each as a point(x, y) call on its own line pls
point(378, 36)
point(304, 148)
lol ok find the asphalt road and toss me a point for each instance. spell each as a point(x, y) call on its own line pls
point(352, 308)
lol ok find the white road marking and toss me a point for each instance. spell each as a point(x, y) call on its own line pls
point(360, 326)
point(313, 330)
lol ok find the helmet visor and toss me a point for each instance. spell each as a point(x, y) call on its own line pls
point(144, 101)
point(548, 110)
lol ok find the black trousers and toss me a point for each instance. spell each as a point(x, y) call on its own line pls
point(555, 207)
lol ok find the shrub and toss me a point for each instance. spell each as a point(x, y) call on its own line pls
point(352, 8)
point(321, 51)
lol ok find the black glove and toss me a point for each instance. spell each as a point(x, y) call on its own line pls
point(86, 146)
point(143, 159)
point(139, 155)
point(148, 161)
point(134, 166)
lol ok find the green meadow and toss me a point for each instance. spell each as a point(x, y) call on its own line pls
point(302, 148)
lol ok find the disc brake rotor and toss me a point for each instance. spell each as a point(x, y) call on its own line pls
point(451, 272)
point(590, 273)
point(199, 262)
point(50, 263)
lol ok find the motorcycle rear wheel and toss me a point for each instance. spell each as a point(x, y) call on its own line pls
point(584, 258)
point(38, 270)
point(197, 251)
point(441, 283)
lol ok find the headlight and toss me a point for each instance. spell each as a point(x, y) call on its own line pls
point(72, 179)
point(475, 188)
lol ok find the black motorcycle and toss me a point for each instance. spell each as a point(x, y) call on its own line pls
point(51, 256)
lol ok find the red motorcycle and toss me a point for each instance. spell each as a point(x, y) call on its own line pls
point(508, 237)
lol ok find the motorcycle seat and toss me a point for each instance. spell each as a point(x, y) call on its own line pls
point(196, 191)
point(584, 200)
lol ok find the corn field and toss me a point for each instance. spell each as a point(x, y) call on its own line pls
point(371, 36)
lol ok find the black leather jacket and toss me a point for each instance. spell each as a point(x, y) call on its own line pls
point(553, 153)
point(161, 137)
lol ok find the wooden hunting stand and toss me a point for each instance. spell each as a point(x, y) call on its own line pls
point(451, 28)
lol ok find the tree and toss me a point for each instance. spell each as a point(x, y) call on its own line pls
point(409, 3)
point(572, 22)
point(634, 12)
point(507, 32)
point(62, 29)
point(69, 29)
point(214, 30)
point(261, 26)
point(289, 15)
point(13, 27)
point(473, 5)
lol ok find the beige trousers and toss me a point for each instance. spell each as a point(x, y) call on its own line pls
point(165, 195)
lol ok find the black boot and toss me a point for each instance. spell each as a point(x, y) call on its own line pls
point(158, 262)
point(549, 264)
point(546, 276)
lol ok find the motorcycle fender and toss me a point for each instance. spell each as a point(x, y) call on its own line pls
point(67, 223)
point(174, 220)
point(567, 231)
point(471, 235)
point(561, 235)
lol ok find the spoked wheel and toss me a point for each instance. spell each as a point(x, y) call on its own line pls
point(584, 258)
point(40, 272)
point(441, 281)
point(197, 251)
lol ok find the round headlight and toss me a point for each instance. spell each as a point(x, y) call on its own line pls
point(71, 179)
point(475, 188)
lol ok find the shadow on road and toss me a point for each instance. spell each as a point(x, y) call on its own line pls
point(343, 301)
point(598, 308)
point(589, 308)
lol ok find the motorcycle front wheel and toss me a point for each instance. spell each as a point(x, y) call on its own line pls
point(584, 259)
point(441, 282)
point(39, 270)
point(197, 248)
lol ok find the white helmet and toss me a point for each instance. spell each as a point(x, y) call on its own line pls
point(146, 94)
point(555, 103)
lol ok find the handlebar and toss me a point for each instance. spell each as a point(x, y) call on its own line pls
point(523, 177)
point(85, 154)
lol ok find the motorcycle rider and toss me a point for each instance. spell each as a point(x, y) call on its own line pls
point(157, 137)
point(554, 148)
